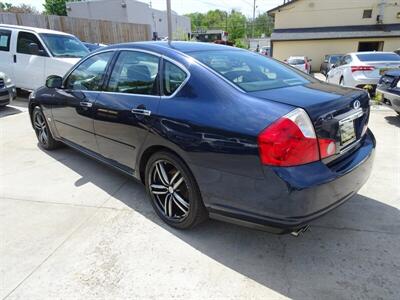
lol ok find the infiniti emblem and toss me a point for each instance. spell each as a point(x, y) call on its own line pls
point(356, 104)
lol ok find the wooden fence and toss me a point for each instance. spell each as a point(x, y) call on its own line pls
point(95, 31)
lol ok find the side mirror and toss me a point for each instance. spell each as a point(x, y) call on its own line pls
point(54, 82)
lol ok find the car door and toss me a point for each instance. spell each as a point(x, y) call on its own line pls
point(73, 108)
point(6, 54)
point(126, 110)
point(29, 66)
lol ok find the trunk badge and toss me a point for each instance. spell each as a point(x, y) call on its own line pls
point(356, 104)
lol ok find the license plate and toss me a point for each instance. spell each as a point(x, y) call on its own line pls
point(347, 133)
point(384, 70)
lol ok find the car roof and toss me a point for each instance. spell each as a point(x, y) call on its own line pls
point(298, 57)
point(33, 29)
point(370, 52)
point(174, 46)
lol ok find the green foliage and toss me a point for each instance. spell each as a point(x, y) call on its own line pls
point(234, 22)
point(241, 44)
point(22, 8)
point(55, 7)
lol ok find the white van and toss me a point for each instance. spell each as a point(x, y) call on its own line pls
point(28, 55)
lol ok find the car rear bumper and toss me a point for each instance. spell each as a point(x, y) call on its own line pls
point(393, 98)
point(304, 193)
point(7, 94)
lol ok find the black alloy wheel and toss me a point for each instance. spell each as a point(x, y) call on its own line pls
point(44, 136)
point(173, 191)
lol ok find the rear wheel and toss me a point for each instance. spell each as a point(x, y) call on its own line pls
point(43, 134)
point(173, 190)
point(341, 82)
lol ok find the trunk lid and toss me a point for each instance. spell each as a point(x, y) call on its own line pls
point(380, 68)
point(337, 113)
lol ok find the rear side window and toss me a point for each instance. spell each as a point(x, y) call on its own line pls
point(379, 57)
point(250, 71)
point(5, 36)
point(135, 73)
point(173, 78)
point(89, 75)
point(25, 39)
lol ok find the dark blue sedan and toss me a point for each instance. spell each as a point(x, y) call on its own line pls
point(213, 131)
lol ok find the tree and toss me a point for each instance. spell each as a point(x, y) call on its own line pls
point(234, 22)
point(23, 8)
point(55, 7)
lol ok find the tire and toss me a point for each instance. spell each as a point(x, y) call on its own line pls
point(177, 204)
point(341, 82)
point(43, 134)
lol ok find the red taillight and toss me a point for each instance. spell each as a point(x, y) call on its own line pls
point(327, 147)
point(362, 68)
point(291, 141)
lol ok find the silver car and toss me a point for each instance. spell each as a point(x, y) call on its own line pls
point(360, 69)
point(8, 91)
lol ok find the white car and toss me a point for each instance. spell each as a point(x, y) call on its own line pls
point(359, 69)
point(300, 62)
point(29, 55)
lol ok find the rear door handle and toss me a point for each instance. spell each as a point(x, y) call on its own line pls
point(139, 111)
point(86, 104)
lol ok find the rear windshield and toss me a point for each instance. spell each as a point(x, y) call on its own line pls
point(379, 57)
point(250, 71)
point(335, 59)
point(296, 61)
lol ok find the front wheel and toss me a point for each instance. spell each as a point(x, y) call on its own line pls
point(43, 134)
point(173, 190)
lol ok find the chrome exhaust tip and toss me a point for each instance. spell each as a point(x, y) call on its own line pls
point(297, 232)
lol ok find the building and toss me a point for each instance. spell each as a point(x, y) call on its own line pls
point(130, 11)
point(315, 28)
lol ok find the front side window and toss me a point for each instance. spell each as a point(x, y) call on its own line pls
point(173, 77)
point(250, 71)
point(64, 45)
point(89, 75)
point(24, 41)
point(135, 73)
point(5, 36)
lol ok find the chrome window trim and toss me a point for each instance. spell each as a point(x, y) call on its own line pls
point(161, 56)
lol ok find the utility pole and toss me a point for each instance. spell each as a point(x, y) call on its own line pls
point(254, 19)
point(169, 17)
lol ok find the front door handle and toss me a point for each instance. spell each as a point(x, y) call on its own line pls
point(139, 111)
point(86, 104)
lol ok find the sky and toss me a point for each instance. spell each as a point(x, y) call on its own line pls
point(188, 6)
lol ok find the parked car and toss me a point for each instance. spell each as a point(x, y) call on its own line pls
point(29, 55)
point(397, 51)
point(93, 46)
point(329, 61)
point(212, 130)
point(361, 69)
point(389, 87)
point(300, 62)
point(8, 91)
point(266, 50)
